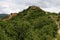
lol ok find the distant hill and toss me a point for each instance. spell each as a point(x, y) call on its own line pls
point(3, 15)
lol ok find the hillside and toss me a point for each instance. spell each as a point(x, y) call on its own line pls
point(9, 16)
point(30, 24)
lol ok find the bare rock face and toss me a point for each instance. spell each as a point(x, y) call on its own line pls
point(34, 7)
point(9, 16)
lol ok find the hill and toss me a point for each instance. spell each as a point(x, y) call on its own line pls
point(30, 24)
point(3, 15)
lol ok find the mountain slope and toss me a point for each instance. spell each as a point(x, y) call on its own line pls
point(9, 16)
point(30, 24)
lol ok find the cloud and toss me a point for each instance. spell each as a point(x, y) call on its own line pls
point(52, 9)
point(8, 6)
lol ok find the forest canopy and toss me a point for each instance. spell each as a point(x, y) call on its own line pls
point(30, 24)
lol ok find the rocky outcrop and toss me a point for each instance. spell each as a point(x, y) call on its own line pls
point(9, 16)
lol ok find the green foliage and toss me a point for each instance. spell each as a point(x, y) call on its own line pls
point(30, 24)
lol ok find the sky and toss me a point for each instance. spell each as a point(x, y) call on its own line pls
point(12, 6)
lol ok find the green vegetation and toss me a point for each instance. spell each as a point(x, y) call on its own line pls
point(30, 24)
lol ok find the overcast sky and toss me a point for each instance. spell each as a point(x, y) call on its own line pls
point(8, 6)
